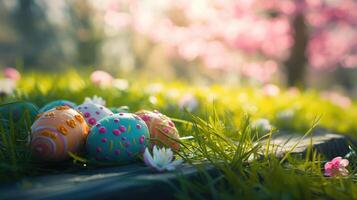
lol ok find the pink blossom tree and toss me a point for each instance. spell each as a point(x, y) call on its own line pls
point(255, 38)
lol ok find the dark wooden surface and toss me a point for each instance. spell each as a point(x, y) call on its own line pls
point(326, 143)
point(136, 181)
point(126, 182)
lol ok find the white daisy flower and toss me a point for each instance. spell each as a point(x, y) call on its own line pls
point(262, 124)
point(161, 160)
point(95, 99)
point(189, 102)
point(7, 86)
point(154, 88)
point(286, 115)
point(121, 84)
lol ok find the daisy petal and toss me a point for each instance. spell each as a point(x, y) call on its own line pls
point(174, 164)
point(161, 160)
point(155, 151)
point(149, 161)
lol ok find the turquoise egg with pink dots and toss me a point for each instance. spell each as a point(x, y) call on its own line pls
point(119, 138)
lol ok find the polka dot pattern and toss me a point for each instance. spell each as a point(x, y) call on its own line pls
point(119, 138)
point(116, 132)
point(92, 112)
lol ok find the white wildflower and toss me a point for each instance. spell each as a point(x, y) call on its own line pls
point(286, 115)
point(7, 86)
point(189, 102)
point(96, 100)
point(262, 125)
point(161, 160)
point(121, 84)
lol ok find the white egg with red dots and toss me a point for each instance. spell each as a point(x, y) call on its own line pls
point(92, 112)
point(120, 138)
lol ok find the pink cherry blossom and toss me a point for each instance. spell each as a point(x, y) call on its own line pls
point(12, 73)
point(261, 71)
point(336, 167)
point(252, 37)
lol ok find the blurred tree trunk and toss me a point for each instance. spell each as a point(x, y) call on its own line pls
point(86, 38)
point(25, 22)
point(37, 42)
point(296, 63)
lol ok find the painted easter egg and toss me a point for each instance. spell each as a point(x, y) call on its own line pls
point(57, 132)
point(162, 130)
point(56, 103)
point(93, 112)
point(119, 138)
point(18, 110)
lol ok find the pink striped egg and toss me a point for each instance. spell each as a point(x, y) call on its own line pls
point(57, 132)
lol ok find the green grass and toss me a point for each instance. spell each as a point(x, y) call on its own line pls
point(221, 126)
point(264, 177)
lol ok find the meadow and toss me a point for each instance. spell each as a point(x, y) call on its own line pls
point(224, 123)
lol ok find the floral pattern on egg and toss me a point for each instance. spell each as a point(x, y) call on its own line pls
point(92, 112)
point(162, 129)
point(119, 138)
point(57, 132)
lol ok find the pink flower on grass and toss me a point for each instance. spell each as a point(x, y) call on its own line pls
point(336, 167)
point(12, 73)
point(101, 78)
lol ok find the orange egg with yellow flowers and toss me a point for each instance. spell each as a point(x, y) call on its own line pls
point(57, 132)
